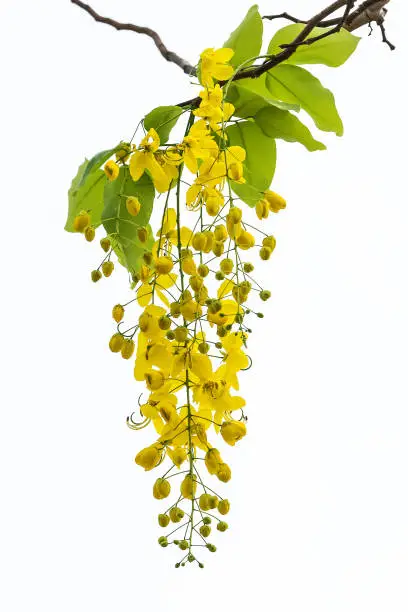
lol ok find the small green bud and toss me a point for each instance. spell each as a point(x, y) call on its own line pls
point(260, 315)
point(170, 335)
point(211, 547)
point(163, 519)
point(265, 295)
point(96, 275)
point(248, 268)
point(206, 520)
point(203, 348)
point(222, 526)
point(164, 323)
point(183, 545)
point(163, 541)
point(205, 531)
point(219, 276)
point(105, 244)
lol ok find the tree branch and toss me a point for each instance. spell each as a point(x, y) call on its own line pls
point(170, 56)
point(365, 13)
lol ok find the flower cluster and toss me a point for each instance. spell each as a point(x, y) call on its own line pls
point(196, 289)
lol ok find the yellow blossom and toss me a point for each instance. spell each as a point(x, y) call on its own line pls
point(144, 159)
point(214, 66)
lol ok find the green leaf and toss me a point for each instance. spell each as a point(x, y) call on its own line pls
point(86, 191)
point(251, 95)
point(277, 123)
point(332, 51)
point(246, 40)
point(119, 224)
point(260, 162)
point(296, 85)
point(163, 119)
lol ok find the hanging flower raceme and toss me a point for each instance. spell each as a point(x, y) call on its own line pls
point(194, 287)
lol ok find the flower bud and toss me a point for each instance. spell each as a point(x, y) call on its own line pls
point(89, 233)
point(196, 282)
point(203, 270)
point(188, 265)
point(208, 242)
point(199, 241)
point(204, 501)
point(181, 334)
point(118, 312)
point(163, 519)
point(219, 276)
point(248, 268)
point(275, 201)
point(212, 207)
point(148, 458)
point(133, 206)
point(218, 248)
point(161, 488)
point(183, 545)
point(188, 487)
point(245, 240)
point(148, 258)
point(222, 526)
point(269, 241)
point(220, 233)
point(175, 309)
point(96, 275)
point(176, 514)
point(212, 460)
point(164, 265)
point(262, 209)
point(211, 547)
point(233, 431)
point(207, 520)
point(223, 506)
point(203, 348)
point(142, 234)
point(107, 268)
point(128, 348)
point(205, 531)
point(227, 266)
point(105, 244)
point(81, 221)
point(235, 214)
point(265, 253)
point(164, 323)
point(116, 343)
point(265, 295)
point(111, 170)
point(224, 472)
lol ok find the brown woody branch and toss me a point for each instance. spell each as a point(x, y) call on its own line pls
point(170, 56)
point(366, 13)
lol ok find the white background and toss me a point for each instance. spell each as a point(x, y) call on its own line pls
point(319, 493)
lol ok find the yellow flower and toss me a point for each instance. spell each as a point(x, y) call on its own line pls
point(145, 159)
point(213, 66)
point(198, 144)
point(232, 431)
point(111, 170)
point(149, 457)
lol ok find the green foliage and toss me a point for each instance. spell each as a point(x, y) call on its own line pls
point(119, 224)
point(332, 51)
point(251, 95)
point(163, 119)
point(296, 85)
point(277, 123)
point(260, 162)
point(86, 191)
point(246, 40)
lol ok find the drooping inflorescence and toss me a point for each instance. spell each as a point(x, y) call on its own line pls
point(194, 275)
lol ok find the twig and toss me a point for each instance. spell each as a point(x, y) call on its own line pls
point(170, 56)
